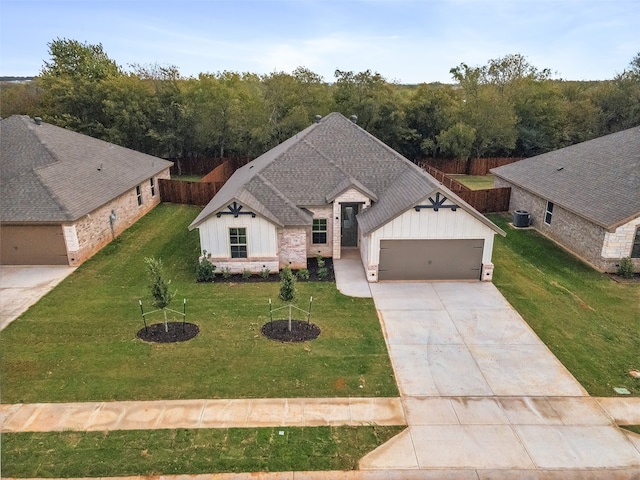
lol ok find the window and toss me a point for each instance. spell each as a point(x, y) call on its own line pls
point(153, 187)
point(238, 242)
point(635, 250)
point(139, 194)
point(319, 230)
point(548, 213)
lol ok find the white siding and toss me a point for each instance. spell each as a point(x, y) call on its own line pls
point(429, 224)
point(262, 239)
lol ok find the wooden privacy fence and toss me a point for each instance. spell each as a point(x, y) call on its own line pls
point(199, 193)
point(192, 193)
point(488, 200)
point(472, 166)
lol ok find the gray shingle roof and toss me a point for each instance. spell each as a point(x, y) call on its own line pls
point(314, 166)
point(49, 174)
point(598, 180)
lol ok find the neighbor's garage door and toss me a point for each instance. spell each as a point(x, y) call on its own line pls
point(32, 245)
point(430, 259)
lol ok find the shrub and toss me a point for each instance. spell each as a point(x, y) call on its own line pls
point(265, 273)
point(246, 274)
point(226, 273)
point(287, 285)
point(320, 261)
point(206, 270)
point(303, 274)
point(322, 273)
point(625, 268)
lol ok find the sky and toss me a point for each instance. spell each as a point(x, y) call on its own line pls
point(408, 41)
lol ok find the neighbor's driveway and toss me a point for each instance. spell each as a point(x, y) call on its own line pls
point(480, 390)
point(22, 286)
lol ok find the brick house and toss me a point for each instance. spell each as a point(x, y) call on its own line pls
point(586, 197)
point(331, 187)
point(66, 195)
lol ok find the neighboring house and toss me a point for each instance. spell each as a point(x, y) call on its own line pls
point(65, 195)
point(586, 197)
point(334, 186)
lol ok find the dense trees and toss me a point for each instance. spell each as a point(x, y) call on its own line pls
point(507, 107)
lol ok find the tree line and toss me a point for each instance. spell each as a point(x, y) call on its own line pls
point(507, 107)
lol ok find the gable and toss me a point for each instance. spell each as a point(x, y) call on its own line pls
point(441, 214)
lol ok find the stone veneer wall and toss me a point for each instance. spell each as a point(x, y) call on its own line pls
point(93, 231)
point(239, 265)
point(618, 245)
point(324, 249)
point(579, 236)
point(349, 196)
point(292, 247)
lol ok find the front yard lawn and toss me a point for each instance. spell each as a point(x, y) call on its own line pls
point(79, 342)
point(590, 322)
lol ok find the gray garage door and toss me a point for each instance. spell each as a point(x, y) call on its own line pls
point(32, 245)
point(430, 259)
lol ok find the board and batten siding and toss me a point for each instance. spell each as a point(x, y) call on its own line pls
point(429, 224)
point(262, 238)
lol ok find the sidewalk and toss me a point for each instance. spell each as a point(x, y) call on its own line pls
point(226, 413)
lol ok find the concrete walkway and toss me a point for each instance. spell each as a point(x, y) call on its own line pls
point(227, 413)
point(22, 286)
point(351, 278)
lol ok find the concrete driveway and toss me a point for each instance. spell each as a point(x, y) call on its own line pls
point(22, 286)
point(480, 390)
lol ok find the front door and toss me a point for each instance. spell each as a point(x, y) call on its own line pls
point(349, 225)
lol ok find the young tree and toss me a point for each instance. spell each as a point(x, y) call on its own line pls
point(287, 288)
point(159, 287)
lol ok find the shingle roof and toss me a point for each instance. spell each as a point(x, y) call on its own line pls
point(598, 180)
point(314, 166)
point(49, 174)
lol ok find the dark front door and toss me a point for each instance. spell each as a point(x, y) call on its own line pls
point(349, 225)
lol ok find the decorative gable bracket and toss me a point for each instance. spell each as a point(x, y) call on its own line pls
point(235, 210)
point(437, 204)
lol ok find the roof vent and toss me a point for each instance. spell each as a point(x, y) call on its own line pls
point(38, 120)
point(354, 118)
point(318, 118)
point(560, 168)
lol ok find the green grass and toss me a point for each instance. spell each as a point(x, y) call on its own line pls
point(590, 322)
point(632, 428)
point(187, 178)
point(475, 182)
point(154, 452)
point(78, 343)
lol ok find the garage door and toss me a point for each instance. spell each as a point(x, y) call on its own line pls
point(430, 259)
point(32, 245)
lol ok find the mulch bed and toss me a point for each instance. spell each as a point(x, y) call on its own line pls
point(312, 266)
point(155, 333)
point(301, 331)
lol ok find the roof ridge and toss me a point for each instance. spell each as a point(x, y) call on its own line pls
point(326, 157)
point(36, 170)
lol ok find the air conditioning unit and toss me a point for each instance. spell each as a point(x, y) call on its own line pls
point(521, 218)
